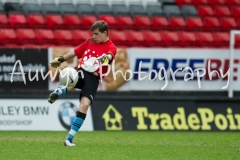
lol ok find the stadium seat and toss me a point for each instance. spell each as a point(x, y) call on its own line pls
point(235, 12)
point(159, 23)
point(205, 39)
point(72, 21)
point(125, 22)
point(200, 2)
point(238, 23)
point(237, 41)
point(63, 37)
point(152, 38)
point(102, 9)
point(67, 8)
point(26, 36)
point(142, 22)
point(170, 38)
point(54, 21)
point(167, 2)
point(205, 10)
point(183, 2)
point(137, 9)
point(3, 21)
point(36, 21)
point(228, 23)
point(216, 2)
point(2, 10)
point(177, 23)
point(110, 19)
point(135, 38)
point(87, 20)
point(231, 3)
point(189, 11)
point(85, 9)
point(221, 11)
point(30, 8)
point(118, 37)
point(154, 10)
point(7, 36)
point(80, 36)
point(221, 39)
point(211, 23)
point(187, 38)
point(194, 23)
point(13, 7)
point(17, 20)
point(120, 9)
point(45, 36)
point(172, 11)
point(50, 8)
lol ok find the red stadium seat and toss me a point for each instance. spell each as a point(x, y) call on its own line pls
point(194, 23)
point(205, 11)
point(63, 36)
point(8, 36)
point(188, 38)
point(135, 38)
point(36, 21)
point(204, 39)
point(200, 2)
point(80, 36)
point(237, 41)
point(153, 38)
point(45, 36)
point(183, 2)
point(232, 3)
point(26, 36)
point(125, 22)
point(160, 23)
point(177, 23)
point(216, 2)
point(211, 23)
point(228, 23)
point(221, 39)
point(3, 21)
point(72, 21)
point(54, 21)
point(142, 22)
point(17, 20)
point(235, 12)
point(118, 37)
point(110, 19)
point(87, 20)
point(170, 38)
point(221, 11)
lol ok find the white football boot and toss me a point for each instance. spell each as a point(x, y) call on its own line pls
point(69, 143)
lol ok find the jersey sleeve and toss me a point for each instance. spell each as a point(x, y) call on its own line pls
point(79, 50)
point(112, 50)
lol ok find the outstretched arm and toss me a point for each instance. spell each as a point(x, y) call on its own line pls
point(58, 60)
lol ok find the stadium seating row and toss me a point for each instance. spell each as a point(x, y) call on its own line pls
point(54, 21)
point(127, 38)
point(208, 2)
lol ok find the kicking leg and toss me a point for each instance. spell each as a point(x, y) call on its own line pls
point(59, 91)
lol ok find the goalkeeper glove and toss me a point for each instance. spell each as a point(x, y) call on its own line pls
point(104, 59)
point(57, 62)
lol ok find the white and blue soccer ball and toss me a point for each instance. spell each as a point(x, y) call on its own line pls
point(68, 77)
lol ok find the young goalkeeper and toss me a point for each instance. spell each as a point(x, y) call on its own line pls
point(99, 46)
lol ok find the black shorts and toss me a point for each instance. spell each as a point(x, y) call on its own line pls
point(88, 84)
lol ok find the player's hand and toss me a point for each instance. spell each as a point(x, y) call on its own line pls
point(57, 62)
point(104, 59)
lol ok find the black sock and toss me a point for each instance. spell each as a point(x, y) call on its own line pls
point(81, 115)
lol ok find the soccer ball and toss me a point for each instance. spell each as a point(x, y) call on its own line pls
point(68, 77)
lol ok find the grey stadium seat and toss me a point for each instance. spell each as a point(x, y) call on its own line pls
point(137, 9)
point(189, 11)
point(31, 8)
point(50, 8)
point(1, 8)
point(13, 7)
point(120, 9)
point(167, 2)
point(102, 9)
point(172, 11)
point(67, 8)
point(154, 10)
point(84, 9)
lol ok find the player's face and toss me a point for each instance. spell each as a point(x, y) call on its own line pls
point(99, 36)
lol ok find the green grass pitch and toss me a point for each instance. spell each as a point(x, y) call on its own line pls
point(122, 145)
